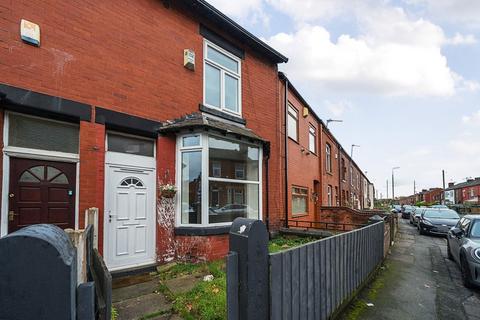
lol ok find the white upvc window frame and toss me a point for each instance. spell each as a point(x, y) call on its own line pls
point(223, 71)
point(329, 195)
point(292, 116)
point(204, 148)
point(328, 157)
point(312, 134)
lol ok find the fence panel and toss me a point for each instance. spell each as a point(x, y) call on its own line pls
point(314, 280)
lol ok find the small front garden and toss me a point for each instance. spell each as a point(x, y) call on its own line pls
point(198, 290)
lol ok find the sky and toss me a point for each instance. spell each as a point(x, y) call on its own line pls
point(402, 75)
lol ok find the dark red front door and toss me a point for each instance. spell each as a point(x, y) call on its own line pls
point(41, 192)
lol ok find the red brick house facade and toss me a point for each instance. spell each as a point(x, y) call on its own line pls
point(104, 80)
point(106, 113)
point(321, 175)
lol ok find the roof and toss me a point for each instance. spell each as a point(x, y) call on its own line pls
point(204, 9)
point(197, 120)
point(284, 77)
point(468, 183)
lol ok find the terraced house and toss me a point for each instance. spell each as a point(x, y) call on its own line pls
point(117, 101)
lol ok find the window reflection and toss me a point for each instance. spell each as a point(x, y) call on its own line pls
point(229, 200)
point(232, 160)
point(191, 187)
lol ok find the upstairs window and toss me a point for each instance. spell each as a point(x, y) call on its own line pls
point(292, 124)
point(329, 195)
point(328, 157)
point(312, 139)
point(222, 79)
point(351, 176)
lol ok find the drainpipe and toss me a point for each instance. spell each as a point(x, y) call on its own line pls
point(267, 207)
point(340, 169)
point(286, 151)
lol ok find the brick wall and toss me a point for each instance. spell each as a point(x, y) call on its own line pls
point(128, 56)
point(303, 165)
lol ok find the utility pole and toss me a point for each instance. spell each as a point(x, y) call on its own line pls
point(387, 188)
point(414, 188)
point(443, 180)
point(393, 182)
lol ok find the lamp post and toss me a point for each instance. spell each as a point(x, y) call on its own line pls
point(351, 150)
point(393, 182)
point(333, 120)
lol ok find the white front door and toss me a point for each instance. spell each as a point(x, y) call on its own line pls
point(129, 213)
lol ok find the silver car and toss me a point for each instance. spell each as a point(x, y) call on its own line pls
point(464, 248)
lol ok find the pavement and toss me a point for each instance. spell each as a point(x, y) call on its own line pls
point(417, 281)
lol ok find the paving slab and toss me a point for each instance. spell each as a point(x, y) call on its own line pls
point(134, 291)
point(135, 308)
point(183, 284)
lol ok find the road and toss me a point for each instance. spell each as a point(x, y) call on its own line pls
point(417, 281)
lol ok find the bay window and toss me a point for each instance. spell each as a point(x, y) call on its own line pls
point(222, 79)
point(219, 180)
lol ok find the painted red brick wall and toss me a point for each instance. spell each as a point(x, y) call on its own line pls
point(127, 56)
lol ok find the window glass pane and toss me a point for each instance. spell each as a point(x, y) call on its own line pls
point(191, 187)
point(191, 141)
point(221, 59)
point(42, 134)
point(39, 171)
point(231, 93)
point(311, 142)
point(299, 204)
point(52, 172)
point(212, 86)
point(232, 158)
point(28, 177)
point(60, 179)
point(230, 200)
point(130, 145)
point(299, 200)
point(292, 127)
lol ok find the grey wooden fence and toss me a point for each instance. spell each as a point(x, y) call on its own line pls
point(308, 282)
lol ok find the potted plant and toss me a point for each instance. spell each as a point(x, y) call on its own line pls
point(168, 190)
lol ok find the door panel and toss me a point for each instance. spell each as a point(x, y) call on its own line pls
point(129, 216)
point(41, 192)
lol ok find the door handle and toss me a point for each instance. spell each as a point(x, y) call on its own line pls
point(11, 215)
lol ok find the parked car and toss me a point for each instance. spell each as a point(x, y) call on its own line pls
point(406, 210)
point(415, 215)
point(463, 247)
point(437, 221)
point(396, 208)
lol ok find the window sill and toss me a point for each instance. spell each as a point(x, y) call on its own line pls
point(299, 215)
point(202, 231)
point(296, 141)
point(329, 173)
point(221, 114)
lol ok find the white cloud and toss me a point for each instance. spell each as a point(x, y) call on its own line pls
point(460, 39)
point(393, 55)
point(246, 10)
point(465, 12)
point(337, 109)
point(473, 118)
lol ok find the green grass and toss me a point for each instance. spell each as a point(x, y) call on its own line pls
point(285, 242)
point(207, 300)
